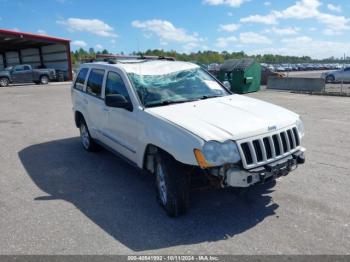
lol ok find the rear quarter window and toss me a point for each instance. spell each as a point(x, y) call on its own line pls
point(80, 81)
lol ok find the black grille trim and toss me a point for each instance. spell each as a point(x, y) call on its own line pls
point(260, 150)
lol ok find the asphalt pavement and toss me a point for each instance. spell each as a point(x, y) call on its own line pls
point(55, 198)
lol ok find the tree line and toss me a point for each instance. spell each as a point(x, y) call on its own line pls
point(209, 57)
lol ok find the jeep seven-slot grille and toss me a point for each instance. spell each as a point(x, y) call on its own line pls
point(264, 149)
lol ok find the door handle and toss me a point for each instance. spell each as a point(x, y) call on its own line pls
point(106, 109)
point(85, 101)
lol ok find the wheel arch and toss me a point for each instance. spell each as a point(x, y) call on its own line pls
point(78, 116)
point(148, 157)
point(149, 153)
point(331, 76)
point(6, 77)
point(43, 74)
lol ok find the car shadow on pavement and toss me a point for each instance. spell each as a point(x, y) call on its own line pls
point(121, 200)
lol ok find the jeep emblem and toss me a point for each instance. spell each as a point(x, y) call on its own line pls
point(272, 128)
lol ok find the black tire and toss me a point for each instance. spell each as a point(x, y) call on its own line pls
point(4, 81)
point(87, 141)
point(175, 184)
point(44, 80)
point(330, 79)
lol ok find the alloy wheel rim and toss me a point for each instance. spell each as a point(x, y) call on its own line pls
point(162, 189)
point(3, 82)
point(85, 139)
point(44, 80)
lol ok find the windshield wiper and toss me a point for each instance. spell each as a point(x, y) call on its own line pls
point(208, 97)
point(170, 102)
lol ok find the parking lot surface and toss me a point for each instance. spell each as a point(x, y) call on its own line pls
point(55, 198)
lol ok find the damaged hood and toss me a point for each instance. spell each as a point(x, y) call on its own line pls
point(231, 117)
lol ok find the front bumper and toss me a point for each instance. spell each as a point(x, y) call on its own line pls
point(237, 177)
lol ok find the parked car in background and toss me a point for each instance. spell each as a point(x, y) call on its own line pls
point(280, 68)
point(295, 67)
point(337, 76)
point(26, 74)
point(271, 68)
point(266, 72)
point(301, 67)
point(214, 69)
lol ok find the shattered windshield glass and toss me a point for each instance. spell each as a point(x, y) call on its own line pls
point(178, 87)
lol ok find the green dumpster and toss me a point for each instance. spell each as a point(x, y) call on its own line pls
point(244, 75)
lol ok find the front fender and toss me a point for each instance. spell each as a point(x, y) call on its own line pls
point(6, 75)
point(171, 138)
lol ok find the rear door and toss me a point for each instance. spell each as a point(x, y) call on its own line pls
point(94, 102)
point(22, 74)
point(79, 99)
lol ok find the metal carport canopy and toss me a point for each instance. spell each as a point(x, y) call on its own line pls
point(14, 41)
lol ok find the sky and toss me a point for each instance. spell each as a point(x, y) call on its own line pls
point(316, 28)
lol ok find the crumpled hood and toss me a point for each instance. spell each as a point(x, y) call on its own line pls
point(232, 117)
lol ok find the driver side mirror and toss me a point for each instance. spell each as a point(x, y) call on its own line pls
point(118, 101)
point(227, 85)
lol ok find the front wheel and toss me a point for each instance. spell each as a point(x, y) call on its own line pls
point(44, 80)
point(172, 184)
point(4, 82)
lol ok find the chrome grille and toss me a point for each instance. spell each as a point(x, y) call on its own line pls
point(268, 148)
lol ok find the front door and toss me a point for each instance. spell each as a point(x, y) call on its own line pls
point(121, 126)
point(22, 74)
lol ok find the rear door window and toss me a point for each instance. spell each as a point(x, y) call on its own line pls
point(80, 81)
point(95, 81)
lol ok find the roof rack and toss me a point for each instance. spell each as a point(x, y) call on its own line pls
point(116, 58)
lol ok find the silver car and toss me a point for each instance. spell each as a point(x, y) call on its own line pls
point(337, 76)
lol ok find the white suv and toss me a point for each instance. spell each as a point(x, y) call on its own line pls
point(178, 122)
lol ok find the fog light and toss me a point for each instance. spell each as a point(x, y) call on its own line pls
point(249, 179)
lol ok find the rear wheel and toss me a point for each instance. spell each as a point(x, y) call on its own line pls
point(4, 82)
point(44, 80)
point(172, 184)
point(86, 140)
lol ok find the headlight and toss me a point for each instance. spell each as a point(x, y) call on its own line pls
point(217, 154)
point(300, 127)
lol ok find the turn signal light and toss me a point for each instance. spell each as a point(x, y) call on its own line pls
point(201, 159)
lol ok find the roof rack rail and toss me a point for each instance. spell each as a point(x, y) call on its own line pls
point(108, 57)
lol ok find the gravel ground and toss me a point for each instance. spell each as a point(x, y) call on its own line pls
point(57, 199)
